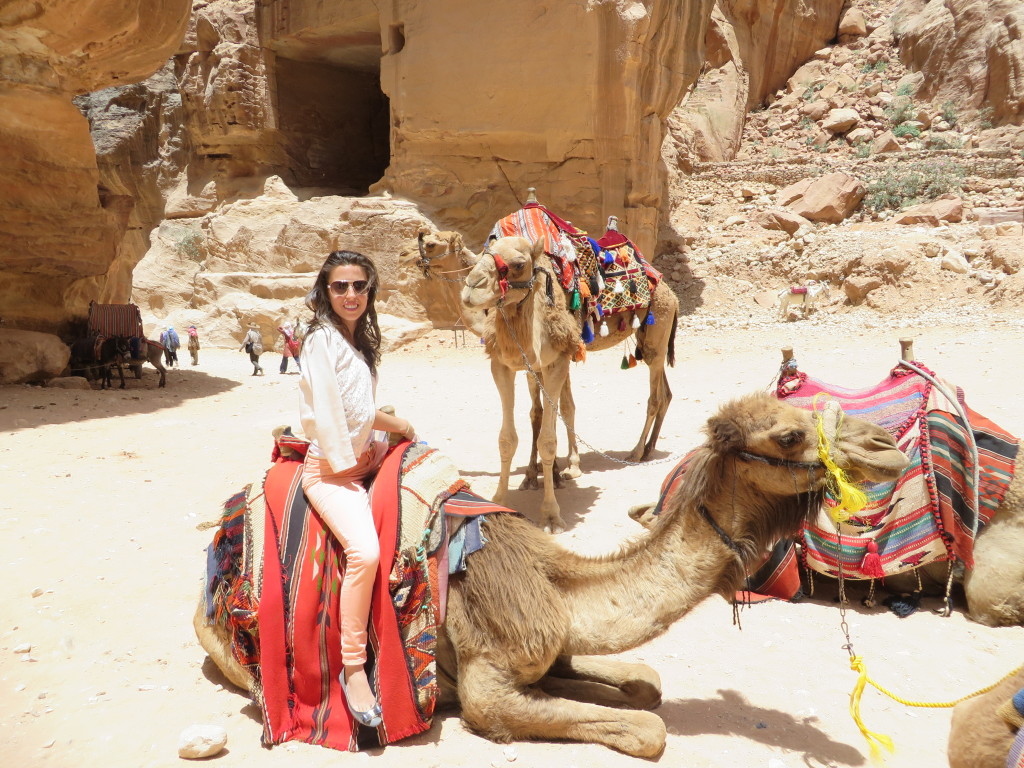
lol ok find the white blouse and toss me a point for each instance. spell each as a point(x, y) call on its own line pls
point(338, 390)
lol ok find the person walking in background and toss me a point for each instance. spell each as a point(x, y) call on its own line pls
point(253, 344)
point(169, 338)
point(193, 344)
point(291, 347)
point(339, 414)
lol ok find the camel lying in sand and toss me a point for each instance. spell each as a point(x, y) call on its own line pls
point(529, 323)
point(527, 624)
point(979, 736)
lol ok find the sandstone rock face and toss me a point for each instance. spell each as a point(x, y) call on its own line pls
point(253, 260)
point(465, 145)
point(30, 356)
point(60, 227)
point(752, 49)
point(971, 53)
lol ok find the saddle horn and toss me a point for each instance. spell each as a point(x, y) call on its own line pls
point(613, 224)
point(907, 350)
point(531, 195)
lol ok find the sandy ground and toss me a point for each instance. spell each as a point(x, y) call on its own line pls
point(101, 558)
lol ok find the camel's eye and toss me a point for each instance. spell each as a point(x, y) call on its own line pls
point(517, 265)
point(791, 439)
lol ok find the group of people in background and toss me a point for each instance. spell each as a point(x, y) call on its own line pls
point(291, 346)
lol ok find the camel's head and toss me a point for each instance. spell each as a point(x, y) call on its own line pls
point(777, 445)
point(439, 250)
point(503, 271)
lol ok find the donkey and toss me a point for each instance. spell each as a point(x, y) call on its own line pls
point(96, 354)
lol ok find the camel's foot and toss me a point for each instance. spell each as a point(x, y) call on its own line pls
point(554, 525)
point(570, 473)
point(643, 514)
point(530, 482)
point(640, 734)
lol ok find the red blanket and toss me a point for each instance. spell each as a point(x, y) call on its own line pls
point(300, 643)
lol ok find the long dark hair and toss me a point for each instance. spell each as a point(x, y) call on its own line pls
point(367, 333)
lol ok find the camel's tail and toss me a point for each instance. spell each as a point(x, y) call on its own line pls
point(672, 340)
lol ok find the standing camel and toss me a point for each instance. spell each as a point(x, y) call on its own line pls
point(528, 317)
point(519, 650)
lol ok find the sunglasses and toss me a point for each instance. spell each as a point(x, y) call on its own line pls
point(340, 287)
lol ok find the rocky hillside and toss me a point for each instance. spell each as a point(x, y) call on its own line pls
point(917, 207)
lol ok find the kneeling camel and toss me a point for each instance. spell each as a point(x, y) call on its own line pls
point(526, 625)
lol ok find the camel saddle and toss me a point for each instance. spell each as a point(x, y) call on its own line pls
point(273, 578)
point(603, 277)
point(960, 467)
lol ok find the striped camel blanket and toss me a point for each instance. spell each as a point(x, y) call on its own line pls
point(933, 511)
point(274, 574)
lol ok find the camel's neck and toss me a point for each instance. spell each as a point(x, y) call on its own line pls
point(624, 600)
point(631, 598)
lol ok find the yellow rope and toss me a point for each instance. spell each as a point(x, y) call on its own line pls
point(849, 498)
point(875, 740)
point(938, 704)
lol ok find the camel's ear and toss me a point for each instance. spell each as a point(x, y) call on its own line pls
point(455, 242)
point(724, 434)
point(538, 249)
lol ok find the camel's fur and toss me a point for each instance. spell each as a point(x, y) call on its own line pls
point(979, 737)
point(524, 322)
point(527, 622)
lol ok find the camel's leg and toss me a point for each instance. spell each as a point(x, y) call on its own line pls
point(994, 588)
point(536, 414)
point(600, 680)
point(552, 379)
point(495, 705)
point(505, 380)
point(568, 408)
point(657, 406)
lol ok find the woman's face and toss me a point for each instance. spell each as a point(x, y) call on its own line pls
point(348, 304)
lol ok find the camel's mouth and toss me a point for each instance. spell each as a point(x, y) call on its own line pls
point(878, 462)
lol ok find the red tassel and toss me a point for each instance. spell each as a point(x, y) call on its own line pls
point(871, 565)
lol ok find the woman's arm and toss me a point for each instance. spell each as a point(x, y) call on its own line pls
point(319, 370)
point(389, 423)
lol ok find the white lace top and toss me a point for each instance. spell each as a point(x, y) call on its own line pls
point(338, 391)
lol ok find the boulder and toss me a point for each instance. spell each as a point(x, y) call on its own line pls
point(886, 142)
point(830, 198)
point(199, 741)
point(853, 23)
point(932, 214)
point(31, 356)
point(781, 219)
point(840, 120)
point(858, 287)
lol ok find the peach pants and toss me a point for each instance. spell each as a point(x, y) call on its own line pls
point(344, 505)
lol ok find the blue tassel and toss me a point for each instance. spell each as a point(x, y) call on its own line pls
point(588, 333)
point(650, 319)
point(608, 258)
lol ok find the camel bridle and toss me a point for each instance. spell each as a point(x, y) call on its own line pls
point(777, 462)
point(505, 285)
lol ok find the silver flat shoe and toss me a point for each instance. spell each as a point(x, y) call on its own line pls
point(371, 718)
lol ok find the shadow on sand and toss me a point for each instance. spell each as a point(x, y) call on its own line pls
point(31, 407)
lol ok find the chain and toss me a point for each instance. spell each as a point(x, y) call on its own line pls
point(552, 404)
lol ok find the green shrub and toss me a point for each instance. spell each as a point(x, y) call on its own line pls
point(907, 89)
point(900, 111)
point(864, 149)
point(985, 118)
point(941, 142)
point(188, 242)
point(906, 129)
point(948, 112)
point(913, 183)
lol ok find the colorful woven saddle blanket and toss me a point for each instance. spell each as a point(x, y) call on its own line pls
point(604, 276)
point(115, 320)
point(274, 576)
point(935, 509)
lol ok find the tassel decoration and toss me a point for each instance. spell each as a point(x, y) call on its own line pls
point(575, 301)
point(625, 363)
point(632, 362)
point(639, 354)
point(871, 565)
point(619, 287)
point(607, 258)
point(588, 333)
point(622, 323)
point(635, 323)
point(604, 329)
point(650, 319)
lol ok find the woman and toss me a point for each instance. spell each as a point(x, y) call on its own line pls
point(290, 348)
point(253, 344)
point(340, 354)
point(193, 344)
